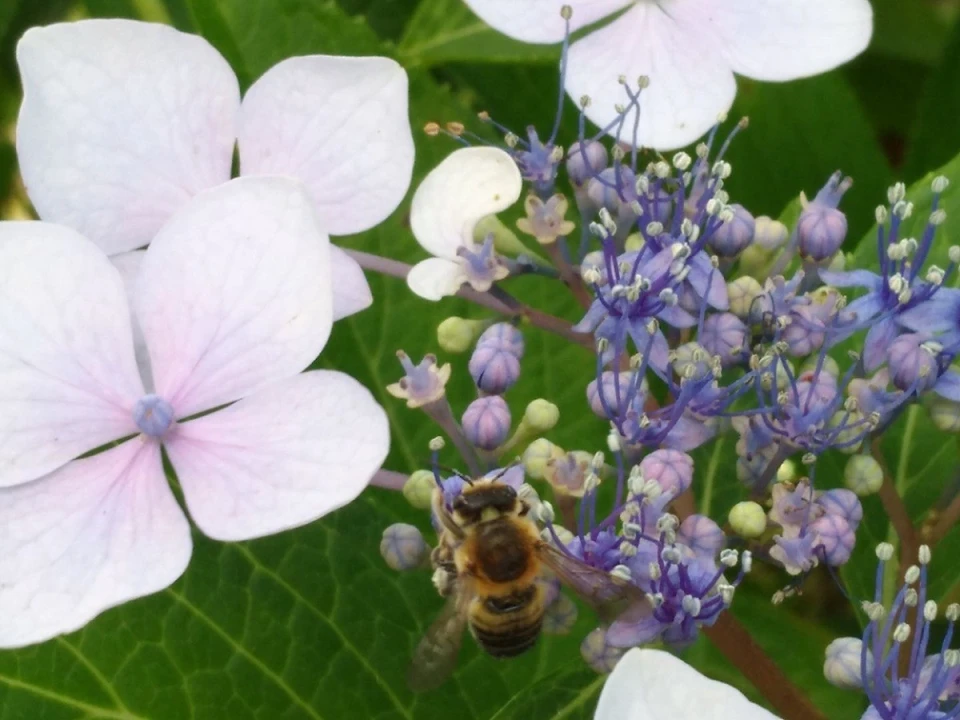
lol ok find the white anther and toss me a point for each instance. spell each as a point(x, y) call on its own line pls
point(923, 554)
point(937, 217)
point(545, 512)
point(778, 597)
point(681, 161)
point(930, 611)
point(954, 253)
point(714, 206)
point(627, 550)
point(654, 571)
point(896, 193)
point(670, 555)
point(910, 597)
point(728, 557)
point(661, 169)
point(939, 184)
point(690, 605)
point(746, 561)
point(884, 551)
point(667, 522)
point(953, 612)
point(726, 593)
point(951, 658)
point(881, 214)
point(436, 444)
point(901, 633)
point(622, 572)
point(642, 185)
point(935, 275)
point(874, 610)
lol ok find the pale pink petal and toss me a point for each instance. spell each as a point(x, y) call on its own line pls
point(286, 456)
point(339, 124)
point(128, 264)
point(777, 40)
point(436, 278)
point(68, 379)
point(655, 685)
point(351, 293)
point(234, 293)
point(691, 82)
point(94, 534)
point(539, 21)
point(121, 123)
point(468, 185)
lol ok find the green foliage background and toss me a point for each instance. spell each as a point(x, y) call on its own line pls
point(311, 624)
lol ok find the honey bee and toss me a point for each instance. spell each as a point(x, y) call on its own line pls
point(489, 563)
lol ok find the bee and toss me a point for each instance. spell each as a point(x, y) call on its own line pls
point(489, 564)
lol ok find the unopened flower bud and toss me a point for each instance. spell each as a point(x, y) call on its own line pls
point(742, 293)
point(735, 234)
point(494, 370)
point(418, 489)
point(503, 336)
point(560, 617)
point(842, 666)
point(585, 160)
point(598, 653)
point(541, 416)
point(769, 234)
point(403, 547)
point(457, 335)
point(944, 413)
point(608, 385)
point(702, 535)
point(748, 519)
point(537, 455)
point(822, 228)
point(836, 538)
point(724, 335)
point(486, 422)
point(842, 503)
point(863, 475)
point(671, 470)
point(911, 365)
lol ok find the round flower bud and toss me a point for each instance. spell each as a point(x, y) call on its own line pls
point(742, 293)
point(911, 365)
point(944, 413)
point(769, 234)
point(702, 535)
point(672, 470)
point(537, 455)
point(691, 361)
point(560, 617)
point(733, 235)
point(634, 242)
point(748, 519)
point(585, 160)
point(608, 386)
point(493, 370)
point(403, 547)
point(724, 334)
point(828, 366)
point(836, 536)
point(541, 416)
point(456, 335)
point(486, 422)
point(503, 336)
point(598, 653)
point(863, 475)
point(842, 503)
point(821, 231)
point(602, 190)
point(842, 666)
point(418, 489)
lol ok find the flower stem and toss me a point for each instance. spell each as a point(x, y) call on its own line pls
point(542, 320)
point(570, 278)
point(388, 479)
point(896, 511)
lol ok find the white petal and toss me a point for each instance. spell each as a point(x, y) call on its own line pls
point(128, 265)
point(339, 124)
point(778, 40)
point(121, 123)
point(234, 293)
point(436, 278)
point(655, 685)
point(68, 379)
point(690, 81)
point(286, 456)
point(539, 21)
point(467, 186)
point(351, 293)
point(94, 534)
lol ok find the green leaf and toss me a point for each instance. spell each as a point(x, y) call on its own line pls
point(915, 31)
point(936, 136)
point(387, 18)
point(800, 133)
point(445, 31)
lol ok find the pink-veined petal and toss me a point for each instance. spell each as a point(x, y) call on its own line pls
point(128, 265)
point(778, 40)
point(539, 21)
point(234, 293)
point(351, 292)
point(436, 278)
point(281, 458)
point(339, 124)
point(655, 685)
point(690, 81)
point(121, 123)
point(68, 379)
point(468, 185)
point(94, 534)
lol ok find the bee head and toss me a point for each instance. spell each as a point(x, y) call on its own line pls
point(484, 501)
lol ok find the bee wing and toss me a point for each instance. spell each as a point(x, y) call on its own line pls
point(609, 595)
point(436, 655)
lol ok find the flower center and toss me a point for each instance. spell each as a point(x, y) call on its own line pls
point(153, 415)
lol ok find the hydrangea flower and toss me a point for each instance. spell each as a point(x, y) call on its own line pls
point(470, 184)
point(655, 685)
point(692, 49)
point(234, 301)
point(123, 122)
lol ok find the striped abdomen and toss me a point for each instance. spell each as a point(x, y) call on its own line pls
point(508, 625)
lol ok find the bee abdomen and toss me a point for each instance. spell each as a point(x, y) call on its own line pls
point(504, 642)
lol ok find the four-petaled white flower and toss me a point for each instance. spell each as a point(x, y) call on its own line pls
point(466, 187)
point(234, 300)
point(123, 122)
point(690, 50)
point(655, 685)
